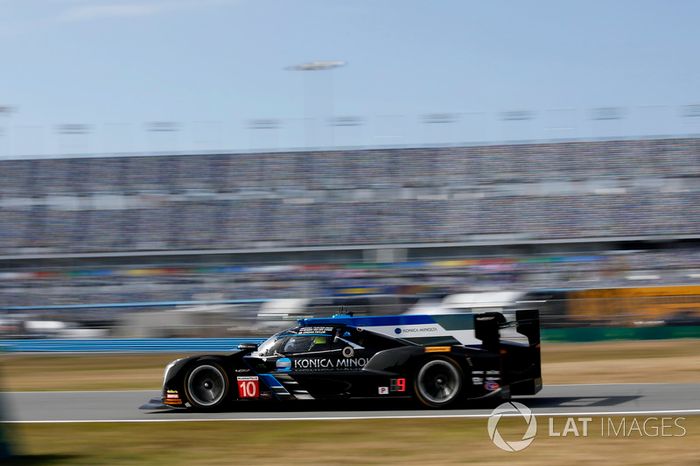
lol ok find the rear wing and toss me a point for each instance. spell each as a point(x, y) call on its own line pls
point(527, 322)
point(488, 325)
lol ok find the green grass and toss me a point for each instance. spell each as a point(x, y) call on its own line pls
point(84, 371)
point(416, 441)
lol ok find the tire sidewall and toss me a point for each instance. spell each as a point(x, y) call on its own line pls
point(430, 404)
point(227, 385)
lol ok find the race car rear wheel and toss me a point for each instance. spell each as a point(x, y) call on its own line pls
point(206, 386)
point(438, 382)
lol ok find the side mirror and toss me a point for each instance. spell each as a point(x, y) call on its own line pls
point(248, 346)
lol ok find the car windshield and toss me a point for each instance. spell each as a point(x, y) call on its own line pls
point(304, 343)
point(272, 345)
point(295, 340)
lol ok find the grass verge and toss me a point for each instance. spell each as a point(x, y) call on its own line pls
point(417, 441)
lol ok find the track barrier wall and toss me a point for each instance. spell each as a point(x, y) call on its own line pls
point(583, 334)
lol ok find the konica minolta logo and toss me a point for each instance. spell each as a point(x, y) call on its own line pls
point(329, 363)
point(284, 364)
point(399, 330)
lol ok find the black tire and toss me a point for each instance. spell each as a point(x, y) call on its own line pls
point(438, 382)
point(206, 386)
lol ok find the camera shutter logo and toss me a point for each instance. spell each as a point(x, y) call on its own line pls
point(512, 408)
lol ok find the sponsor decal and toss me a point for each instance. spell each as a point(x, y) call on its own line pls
point(438, 349)
point(284, 364)
point(383, 390)
point(399, 330)
point(348, 352)
point(304, 330)
point(248, 387)
point(310, 364)
point(172, 397)
point(491, 386)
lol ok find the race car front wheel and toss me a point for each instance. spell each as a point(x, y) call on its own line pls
point(438, 383)
point(206, 386)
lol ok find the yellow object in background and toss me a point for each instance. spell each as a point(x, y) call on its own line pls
point(634, 305)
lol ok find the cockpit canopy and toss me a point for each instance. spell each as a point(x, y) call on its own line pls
point(311, 339)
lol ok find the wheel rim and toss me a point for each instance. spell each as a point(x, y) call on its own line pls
point(438, 381)
point(206, 385)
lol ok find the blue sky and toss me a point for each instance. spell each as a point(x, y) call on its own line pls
point(214, 64)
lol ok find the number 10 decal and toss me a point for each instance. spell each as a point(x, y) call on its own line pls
point(248, 387)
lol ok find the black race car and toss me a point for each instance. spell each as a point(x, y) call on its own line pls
point(438, 360)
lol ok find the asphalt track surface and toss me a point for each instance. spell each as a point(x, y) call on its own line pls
point(570, 400)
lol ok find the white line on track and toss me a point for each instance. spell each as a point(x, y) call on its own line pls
point(360, 418)
point(613, 383)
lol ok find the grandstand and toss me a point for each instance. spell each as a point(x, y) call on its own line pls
point(187, 227)
point(573, 191)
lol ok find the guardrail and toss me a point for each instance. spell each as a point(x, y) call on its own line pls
point(585, 334)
